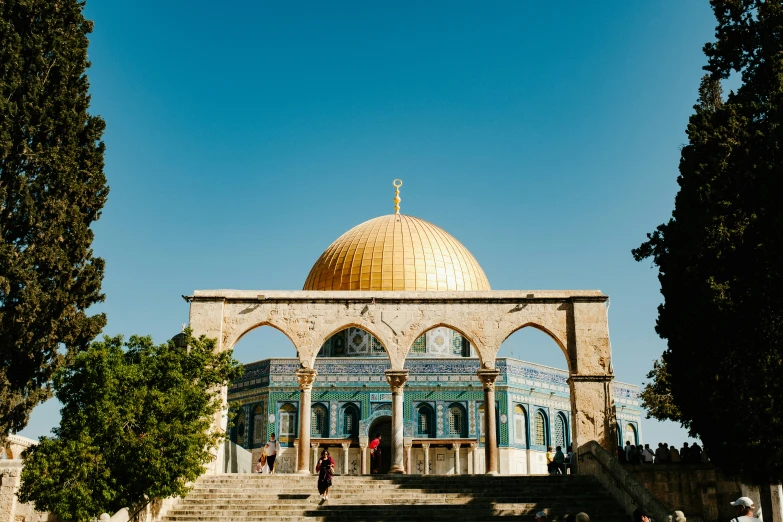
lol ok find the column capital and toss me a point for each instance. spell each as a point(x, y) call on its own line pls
point(473, 445)
point(363, 445)
point(425, 445)
point(488, 377)
point(345, 445)
point(396, 379)
point(296, 443)
point(314, 445)
point(455, 445)
point(408, 446)
point(306, 376)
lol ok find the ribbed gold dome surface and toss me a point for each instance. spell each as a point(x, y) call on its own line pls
point(398, 253)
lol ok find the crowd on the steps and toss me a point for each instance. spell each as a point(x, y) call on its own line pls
point(663, 454)
point(744, 508)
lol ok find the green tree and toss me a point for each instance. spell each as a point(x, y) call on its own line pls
point(719, 257)
point(135, 426)
point(52, 188)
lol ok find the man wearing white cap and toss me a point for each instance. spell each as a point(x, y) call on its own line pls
point(541, 515)
point(743, 508)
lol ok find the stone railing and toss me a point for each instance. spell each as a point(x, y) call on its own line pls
point(630, 493)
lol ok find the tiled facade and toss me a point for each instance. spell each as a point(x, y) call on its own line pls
point(533, 406)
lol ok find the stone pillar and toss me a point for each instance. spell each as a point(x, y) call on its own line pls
point(457, 463)
point(473, 461)
point(488, 377)
point(592, 411)
point(397, 380)
point(296, 453)
point(363, 457)
point(314, 446)
point(408, 467)
point(345, 446)
point(426, 447)
point(306, 377)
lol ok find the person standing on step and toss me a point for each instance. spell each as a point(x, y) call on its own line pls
point(550, 461)
point(375, 454)
point(559, 461)
point(270, 450)
point(325, 469)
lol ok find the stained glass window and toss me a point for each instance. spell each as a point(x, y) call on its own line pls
point(425, 424)
point(540, 429)
point(350, 424)
point(559, 431)
point(287, 420)
point(318, 421)
point(456, 421)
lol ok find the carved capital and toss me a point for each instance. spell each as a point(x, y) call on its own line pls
point(397, 379)
point(425, 445)
point(345, 445)
point(363, 446)
point(306, 377)
point(408, 447)
point(455, 445)
point(314, 445)
point(473, 445)
point(488, 377)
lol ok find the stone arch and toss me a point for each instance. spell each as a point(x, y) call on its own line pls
point(561, 343)
point(344, 326)
point(231, 341)
point(410, 339)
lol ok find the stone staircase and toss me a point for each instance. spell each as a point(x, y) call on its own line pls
point(393, 498)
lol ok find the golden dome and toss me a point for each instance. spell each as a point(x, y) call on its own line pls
point(396, 252)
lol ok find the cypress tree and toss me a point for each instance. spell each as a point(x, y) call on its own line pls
point(52, 188)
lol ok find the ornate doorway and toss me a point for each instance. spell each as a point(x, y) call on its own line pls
point(383, 426)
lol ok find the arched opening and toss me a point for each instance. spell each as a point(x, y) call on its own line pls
point(258, 426)
point(383, 426)
point(288, 421)
point(520, 426)
point(532, 345)
point(441, 342)
point(352, 342)
point(560, 431)
point(630, 435)
point(350, 420)
point(319, 421)
point(540, 431)
point(263, 342)
point(240, 428)
point(425, 421)
point(456, 421)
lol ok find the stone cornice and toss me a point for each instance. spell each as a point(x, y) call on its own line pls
point(497, 296)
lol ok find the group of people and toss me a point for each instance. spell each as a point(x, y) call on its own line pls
point(744, 509)
point(664, 454)
point(557, 462)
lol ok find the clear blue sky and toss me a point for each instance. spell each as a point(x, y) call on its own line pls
point(243, 139)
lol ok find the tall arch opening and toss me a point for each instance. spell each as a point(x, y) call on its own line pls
point(536, 409)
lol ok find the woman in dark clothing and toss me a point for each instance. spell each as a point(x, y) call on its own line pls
point(325, 469)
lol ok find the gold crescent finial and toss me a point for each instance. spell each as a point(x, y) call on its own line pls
point(397, 184)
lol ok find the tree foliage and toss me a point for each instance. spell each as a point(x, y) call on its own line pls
point(719, 257)
point(135, 426)
point(52, 188)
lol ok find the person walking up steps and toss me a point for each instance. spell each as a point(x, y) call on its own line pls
point(270, 450)
point(325, 469)
point(375, 454)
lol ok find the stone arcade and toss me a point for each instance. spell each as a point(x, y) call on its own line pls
point(398, 297)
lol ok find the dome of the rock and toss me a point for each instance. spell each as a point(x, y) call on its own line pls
point(397, 253)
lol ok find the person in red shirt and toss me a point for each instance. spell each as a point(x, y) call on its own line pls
point(375, 454)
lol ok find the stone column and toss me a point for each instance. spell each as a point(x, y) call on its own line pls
point(296, 452)
point(345, 446)
point(363, 457)
point(457, 463)
point(426, 447)
point(306, 377)
point(314, 447)
point(473, 460)
point(397, 380)
point(408, 467)
point(488, 377)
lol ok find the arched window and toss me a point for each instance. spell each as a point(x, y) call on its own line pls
point(350, 421)
point(287, 420)
point(424, 421)
point(559, 432)
point(259, 433)
point(241, 428)
point(540, 427)
point(318, 421)
point(630, 434)
point(520, 429)
point(456, 421)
